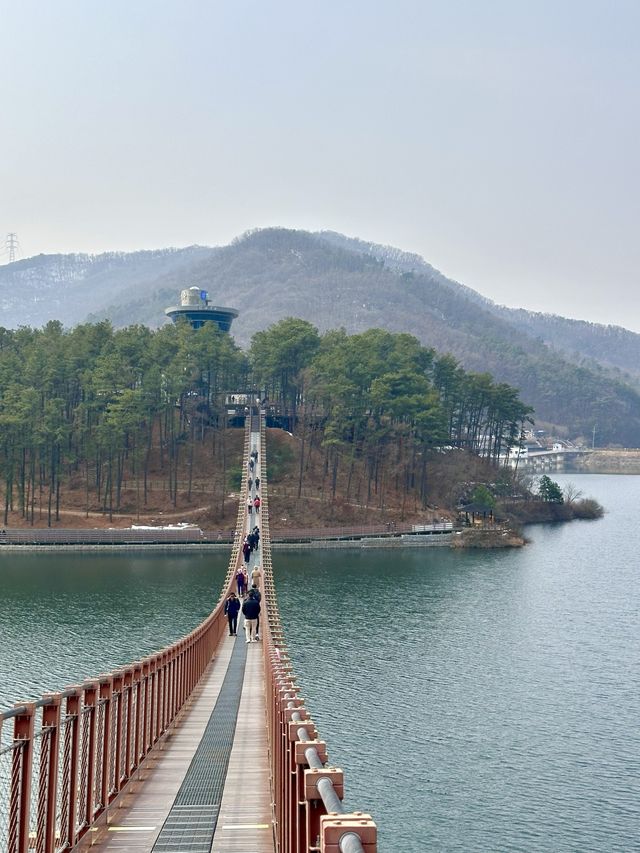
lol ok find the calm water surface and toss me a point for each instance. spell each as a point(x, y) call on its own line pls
point(478, 701)
point(62, 616)
point(482, 701)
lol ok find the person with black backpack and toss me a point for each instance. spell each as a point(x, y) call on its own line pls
point(251, 613)
point(254, 592)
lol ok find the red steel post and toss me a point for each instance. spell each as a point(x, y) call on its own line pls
point(162, 692)
point(146, 708)
point(175, 691)
point(48, 783)
point(23, 730)
point(165, 690)
point(118, 681)
point(169, 688)
point(186, 690)
point(136, 687)
point(106, 697)
point(129, 728)
point(90, 703)
point(172, 685)
point(153, 714)
point(180, 676)
point(70, 768)
point(187, 669)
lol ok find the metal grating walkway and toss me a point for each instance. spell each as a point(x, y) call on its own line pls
point(192, 820)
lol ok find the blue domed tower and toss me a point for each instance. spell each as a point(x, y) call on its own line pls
point(197, 308)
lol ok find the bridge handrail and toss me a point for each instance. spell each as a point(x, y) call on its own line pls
point(307, 792)
point(60, 768)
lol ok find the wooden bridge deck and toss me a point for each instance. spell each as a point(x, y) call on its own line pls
point(134, 821)
point(245, 822)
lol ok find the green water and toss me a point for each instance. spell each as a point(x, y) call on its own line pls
point(477, 701)
point(67, 617)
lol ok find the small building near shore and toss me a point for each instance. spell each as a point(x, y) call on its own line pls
point(478, 514)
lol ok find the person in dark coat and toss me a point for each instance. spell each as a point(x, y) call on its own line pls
point(251, 612)
point(232, 608)
point(240, 582)
point(255, 593)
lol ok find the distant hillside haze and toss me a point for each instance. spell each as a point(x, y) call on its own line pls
point(71, 287)
point(577, 375)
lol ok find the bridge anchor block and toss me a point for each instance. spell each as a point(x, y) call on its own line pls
point(314, 775)
point(303, 745)
point(334, 827)
point(307, 725)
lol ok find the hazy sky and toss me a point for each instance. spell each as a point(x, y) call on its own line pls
point(499, 140)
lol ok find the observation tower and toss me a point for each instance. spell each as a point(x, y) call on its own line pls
point(197, 308)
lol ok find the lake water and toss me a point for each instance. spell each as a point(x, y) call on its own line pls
point(62, 615)
point(477, 701)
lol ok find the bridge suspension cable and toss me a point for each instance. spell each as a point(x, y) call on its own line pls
point(307, 790)
point(66, 759)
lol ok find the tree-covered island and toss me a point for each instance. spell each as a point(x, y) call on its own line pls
point(108, 427)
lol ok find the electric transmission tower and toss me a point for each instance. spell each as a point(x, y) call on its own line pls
point(11, 246)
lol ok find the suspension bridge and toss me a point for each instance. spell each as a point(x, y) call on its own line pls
point(204, 746)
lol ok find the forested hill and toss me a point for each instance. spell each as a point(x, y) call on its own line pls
point(610, 346)
point(334, 281)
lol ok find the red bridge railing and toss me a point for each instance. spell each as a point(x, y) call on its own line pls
point(66, 757)
point(307, 790)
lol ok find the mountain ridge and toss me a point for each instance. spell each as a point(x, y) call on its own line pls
point(333, 281)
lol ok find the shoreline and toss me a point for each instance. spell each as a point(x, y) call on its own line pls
point(311, 544)
point(457, 538)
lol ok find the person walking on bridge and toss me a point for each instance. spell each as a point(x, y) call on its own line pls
point(240, 582)
point(256, 503)
point(250, 611)
point(254, 592)
point(232, 608)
